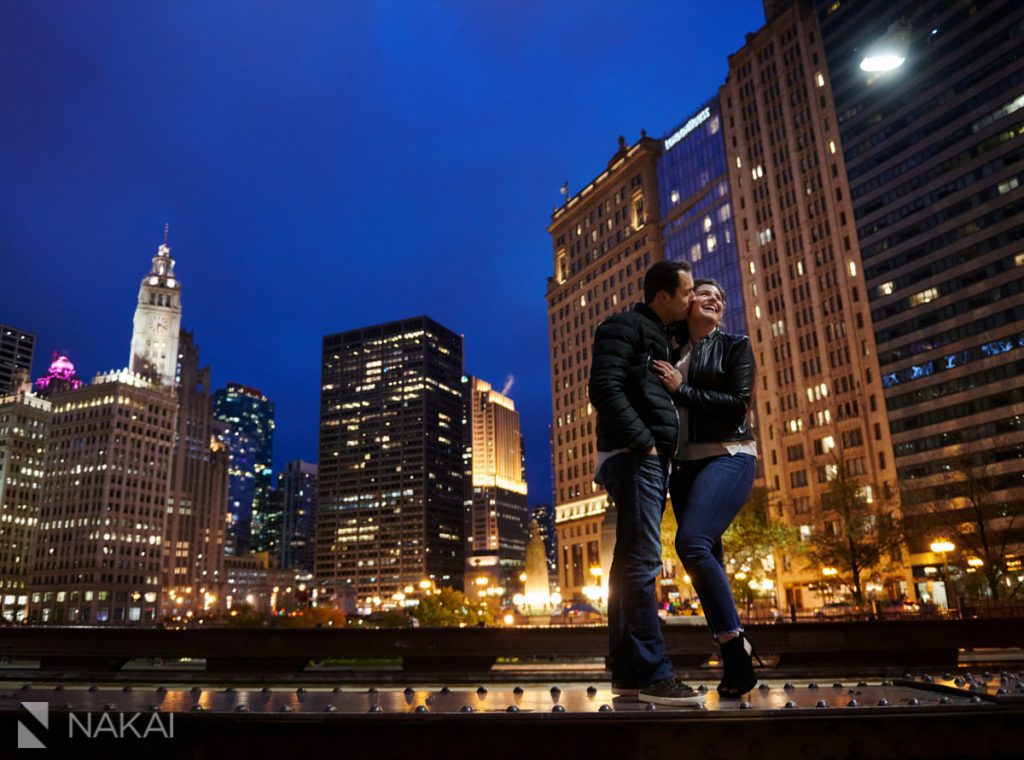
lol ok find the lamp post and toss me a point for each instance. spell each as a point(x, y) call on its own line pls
point(890, 50)
point(944, 546)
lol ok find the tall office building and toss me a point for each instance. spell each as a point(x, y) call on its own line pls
point(697, 215)
point(497, 520)
point(297, 487)
point(933, 154)
point(157, 322)
point(543, 514)
point(24, 422)
point(390, 512)
point(819, 393)
point(249, 415)
point(604, 238)
point(16, 349)
point(98, 554)
point(197, 505)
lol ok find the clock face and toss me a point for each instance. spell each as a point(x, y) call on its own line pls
point(158, 323)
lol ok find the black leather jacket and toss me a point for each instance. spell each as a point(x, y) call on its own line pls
point(718, 389)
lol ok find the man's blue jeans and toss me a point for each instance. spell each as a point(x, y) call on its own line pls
point(636, 485)
point(706, 496)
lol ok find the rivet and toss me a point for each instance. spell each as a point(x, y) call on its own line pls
point(241, 708)
point(812, 685)
point(196, 690)
point(373, 690)
point(927, 678)
point(558, 708)
point(976, 700)
point(745, 705)
point(126, 689)
point(518, 691)
point(555, 691)
point(591, 691)
point(445, 690)
point(883, 702)
point(604, 708)
point(27, 687)
point(651, 706)
point(821, 703)
point(92, 688)
point(301, 690)
point(959, 681)
point(430, 700)
point(375, 708)
point(791, 705)
point(1002, 690)
point(987, 676)
point(862, 684)
point(336, 690)
point(886, 683)
point(853, 703)
point(789, 686)
point(286, 708)
point(420, 709)
point(109, 706)
point(945, 701)
point(764, 687)
point(466, 709)
point(265, 690)
point(702, 689)
point(511, 708)
point(58, 687)
point(408, 690)
point(947, 676)
point(330, 708)
point(837, 685)
point(161, 689)
point(914, 701)
point(481, 691)
point(197, 708)
point(229, 690)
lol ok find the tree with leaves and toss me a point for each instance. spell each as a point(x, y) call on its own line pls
point(448, 608)
point(861, 537)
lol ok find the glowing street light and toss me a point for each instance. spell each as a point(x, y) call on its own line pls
point(944, 546)
point(829, 572)
point(890, 51)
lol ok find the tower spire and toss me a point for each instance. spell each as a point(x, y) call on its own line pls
point(167, 231)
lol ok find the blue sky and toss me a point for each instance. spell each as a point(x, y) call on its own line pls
point(323, 166)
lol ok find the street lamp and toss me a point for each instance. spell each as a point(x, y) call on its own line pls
point(890, 51)
point(944, 546)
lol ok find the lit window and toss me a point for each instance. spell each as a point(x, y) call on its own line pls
point(711, 242)
point(675, 196)
point(832, 147)
point(739, 164)
point(925, 296)
point(852, 266)
point(1010, 184)
point(707, 223)
point(757, 311)
point(819, 79)
point(885, 289)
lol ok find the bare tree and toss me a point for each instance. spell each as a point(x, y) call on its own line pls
point(981, 524)
point(862, 536)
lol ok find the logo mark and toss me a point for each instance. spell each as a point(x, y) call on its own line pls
point(41, 712)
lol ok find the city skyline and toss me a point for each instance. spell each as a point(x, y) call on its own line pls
point(285, 168)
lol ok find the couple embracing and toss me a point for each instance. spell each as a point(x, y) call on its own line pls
point(672, 393)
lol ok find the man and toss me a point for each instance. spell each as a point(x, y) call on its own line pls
point(637, 432)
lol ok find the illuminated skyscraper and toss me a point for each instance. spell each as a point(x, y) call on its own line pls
point(390, 500)
point(497, 521)
point(16, 349)
point(24, 423)
point(154, 352)
point(819, 391)
point(932, 151)
point(297, 487)
point(604, 239)
point(249, 415)
point(197, 505)
point(98, 553)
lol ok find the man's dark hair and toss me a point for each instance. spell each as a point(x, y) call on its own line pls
point(663, 275)
point(709, 281)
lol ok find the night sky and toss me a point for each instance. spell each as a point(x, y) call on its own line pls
point(323, 166)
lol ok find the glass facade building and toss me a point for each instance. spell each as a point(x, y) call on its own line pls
point(16, 349)
point(933, 154)
point(296, 487)
point(697, 214)
point(249, 415)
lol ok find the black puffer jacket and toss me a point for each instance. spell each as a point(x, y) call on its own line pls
point(718, 388)
point(634, 409)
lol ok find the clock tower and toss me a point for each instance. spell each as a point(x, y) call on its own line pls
point(157, 321)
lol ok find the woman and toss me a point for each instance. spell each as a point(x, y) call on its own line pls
point(713, 471)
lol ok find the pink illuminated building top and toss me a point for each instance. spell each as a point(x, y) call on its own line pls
point(60, 376)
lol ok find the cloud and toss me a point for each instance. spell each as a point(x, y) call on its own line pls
point(509, 382)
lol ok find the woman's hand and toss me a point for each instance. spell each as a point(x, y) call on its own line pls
point(670, 377)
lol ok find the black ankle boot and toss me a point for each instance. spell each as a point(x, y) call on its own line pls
point(739, 677)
